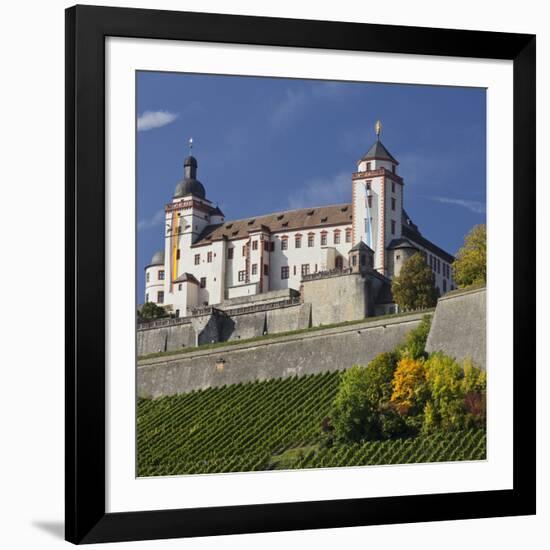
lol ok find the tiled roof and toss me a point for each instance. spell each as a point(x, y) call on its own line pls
point(186, 277)
point(290, 220)
point(418, 239)
point(378, 151)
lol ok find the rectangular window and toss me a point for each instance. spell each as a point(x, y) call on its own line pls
point(244, 250)
point(305, 269)
point(310, 240)
point(337, 237)
point(160, 297)
point(272, 246)
point(203, 282)
point(368, 184)
point(393, 168)
point(348, 236)
point(266, 270)
point(294, 270)
point(254, 269)
point(285, 272)
point(393, 227)
point(197, 259)
point(147, 277)
point(230, 253)
point(284, 244)
point(209, 257)
point(323, 239)
point(180, 286)
point(298, 242)
point(393, 187)
point(177, 313)
point(393, 203)
point(369, 164)
point(161, 275)
point(369, 201)
point(242, 276)
point(444, 285)
point(254, 245)
point(438, 265)
point(266, 246)
point(178, 254)
point(146, 297)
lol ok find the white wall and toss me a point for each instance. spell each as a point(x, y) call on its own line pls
point(32, 490)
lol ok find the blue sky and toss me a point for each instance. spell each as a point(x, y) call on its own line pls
point(268, 144)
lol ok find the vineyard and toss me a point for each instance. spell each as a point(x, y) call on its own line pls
point(270, 425)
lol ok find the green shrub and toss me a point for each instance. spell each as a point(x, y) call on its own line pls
point(457, 394)
point(415, 341)
point(361, 401)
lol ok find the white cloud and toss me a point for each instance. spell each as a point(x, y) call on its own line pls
point(322, 191)
point(153, 221)
point(474, 206)
point(155, 119)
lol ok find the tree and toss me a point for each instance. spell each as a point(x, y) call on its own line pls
point(150, 311)
point(470, 266)
point(360, 403)
point(414, 287)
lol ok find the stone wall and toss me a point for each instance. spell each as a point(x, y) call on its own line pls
point(335, 299)
point(459, 326)
point(219, 326)
point(278, 357)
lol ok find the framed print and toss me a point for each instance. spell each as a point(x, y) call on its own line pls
point(299, 274)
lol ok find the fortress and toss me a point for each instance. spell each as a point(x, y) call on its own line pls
point(291, 269)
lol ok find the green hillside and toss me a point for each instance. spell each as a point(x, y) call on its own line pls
point(270, 425)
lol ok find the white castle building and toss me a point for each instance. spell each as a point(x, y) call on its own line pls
point(208, 260)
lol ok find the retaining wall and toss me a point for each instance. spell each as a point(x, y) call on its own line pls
point(278, 357)
point(459, 326)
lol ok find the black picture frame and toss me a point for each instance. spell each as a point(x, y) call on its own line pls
point(86, 30)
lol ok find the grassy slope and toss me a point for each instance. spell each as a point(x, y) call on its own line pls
point(269, 425)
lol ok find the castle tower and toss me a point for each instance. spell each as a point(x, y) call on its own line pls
point(377, 201)
point(185, 219)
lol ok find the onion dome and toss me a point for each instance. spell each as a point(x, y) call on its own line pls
point(190, 185)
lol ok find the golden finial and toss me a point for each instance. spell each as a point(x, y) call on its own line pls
point(378, 128)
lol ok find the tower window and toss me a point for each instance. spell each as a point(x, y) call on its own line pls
point(369, 201)
point(393, 203)
point(254, 269)
point(254, 245)
point(161, 275)
point(393, 187)
point(393, 227)
point(160, 297)
point(147, 277)
point(369, 164)
point(178, 254)
point(230, 253)
point(393, 168)
point(244, 250)
point(266, 246)
point(180, 286)
point(368, 184)
point(197, 259)
point(266, 270)
point(209, 257)
point(285, 272)
point(203, 282)
point(146, 297)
